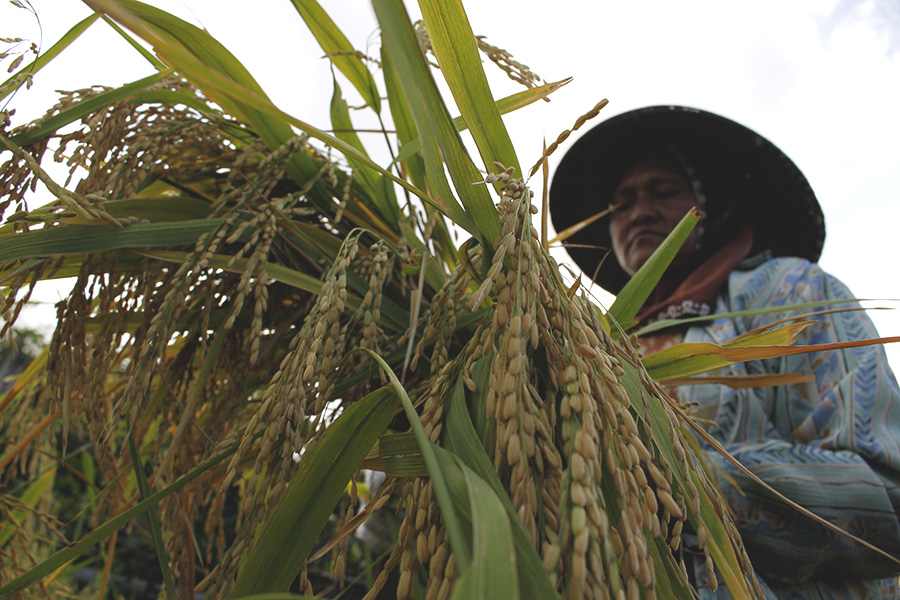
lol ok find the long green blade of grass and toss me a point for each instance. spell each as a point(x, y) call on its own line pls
point(462, 439)
point(342, 124)
point(135, 44)
point(70, 266)
point(787, 308)
point(492, 572)
point(206, 63)
point(397, 454)
point(171, 37)
point(279, 273)
point(504, 106)
point(152, 519)
point(683, 360)
point(156, 209)
point(86, 107)
point(41, 61)
point(437, 133)
point(339, 50)
point(401, 113)
point(171, 97)
point(455, 531)
point(385, 203)
point(691, 365)
point(399, 39)
point(741, 381)
point(667, 588)
point(460, 61)
point(84, 239)
point(301, 514)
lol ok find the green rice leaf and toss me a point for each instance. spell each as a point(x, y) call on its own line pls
point(71, 266)
point(208, 65)
point(668, 588)
point(437, 134)
point(158, 209)
point(398, 466)
point(504, 106)
point(457, 53)
point(84, 239)
point(170, 97)
point(406, 68)
point(344, 130)
point(377, 188)
point(201, 59)
point(699, 358)
point(301, 514)
point(397, 454)
point(455, 531)
point(174, 40)
point(395, 444)
point(285, 275)
point(741, 381)
point(683, 360)
point(404, 123)
point(719, 545)
point(152, 519)
point(386, 201)
point(339, 50)
point(41, 61)
point(492, 572)
point(658, 325)
point(462, 440)
point(86, 107)
point(134, 44)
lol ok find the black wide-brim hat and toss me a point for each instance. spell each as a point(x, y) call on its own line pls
point(733, 163)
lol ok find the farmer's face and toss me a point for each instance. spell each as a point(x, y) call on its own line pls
point(653, 196)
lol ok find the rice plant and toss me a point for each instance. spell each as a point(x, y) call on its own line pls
point(262, 313)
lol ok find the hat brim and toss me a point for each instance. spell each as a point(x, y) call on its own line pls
point(787, 219)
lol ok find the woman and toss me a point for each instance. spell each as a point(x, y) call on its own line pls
point(832, 444)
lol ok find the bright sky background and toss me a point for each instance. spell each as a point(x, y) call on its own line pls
point(820, 79)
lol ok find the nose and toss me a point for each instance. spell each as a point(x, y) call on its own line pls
point(643, 206)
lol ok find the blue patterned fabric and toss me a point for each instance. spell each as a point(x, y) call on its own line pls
point(832, 445)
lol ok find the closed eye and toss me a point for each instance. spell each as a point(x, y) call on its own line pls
point(665, 192)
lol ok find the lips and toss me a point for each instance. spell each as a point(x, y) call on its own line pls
point(645, 235)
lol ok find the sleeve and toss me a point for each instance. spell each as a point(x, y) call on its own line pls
point(832, 445)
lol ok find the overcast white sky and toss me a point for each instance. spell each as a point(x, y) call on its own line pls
point(821, 79)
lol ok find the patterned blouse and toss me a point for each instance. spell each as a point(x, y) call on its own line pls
point(832, 445)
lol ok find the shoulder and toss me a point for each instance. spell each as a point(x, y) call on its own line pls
point(780, 281)
point(786, 287)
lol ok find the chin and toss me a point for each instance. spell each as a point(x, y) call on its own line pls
point(636, 262)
